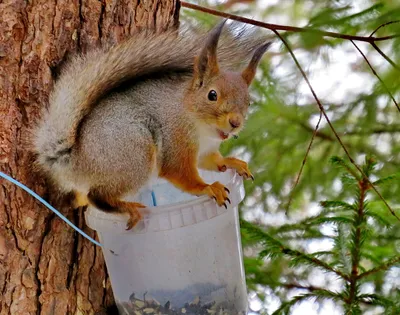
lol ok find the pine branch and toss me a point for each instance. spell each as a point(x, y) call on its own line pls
point(276, 248)
point(340, 244)
point(376, 74)
point(322, 109)
point(337, 205)
point(299, 257)
point(387, 179)
point(316, 294)
point(357, 241)
point(382, 267)
point(277, 27)
point(307, 223)
point(374, 299)
point(342, 163)
point(294, 285)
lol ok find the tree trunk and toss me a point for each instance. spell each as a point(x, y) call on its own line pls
point(45, 267)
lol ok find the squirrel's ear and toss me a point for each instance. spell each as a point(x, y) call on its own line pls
point(206, 64)
point(249, 73)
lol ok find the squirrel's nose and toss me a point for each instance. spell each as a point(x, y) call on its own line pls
point(234, 122)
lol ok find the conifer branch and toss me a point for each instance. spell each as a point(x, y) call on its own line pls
point(376, 74)
point(274, 248)
point(382, 267)
point(316, 294)
point(357, 242)
point(277, 27)
point(294, 285)
point(322, 109)
point(299, 256)
point(374, 299)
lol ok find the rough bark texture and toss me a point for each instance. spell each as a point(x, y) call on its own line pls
point(45, 267)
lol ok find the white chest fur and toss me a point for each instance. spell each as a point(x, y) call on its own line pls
point(207, 139)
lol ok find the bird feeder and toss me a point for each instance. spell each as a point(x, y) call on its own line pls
point(184, 257)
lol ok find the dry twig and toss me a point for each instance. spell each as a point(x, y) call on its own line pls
point(277, 27)
point(376, 74)
point(321, 107)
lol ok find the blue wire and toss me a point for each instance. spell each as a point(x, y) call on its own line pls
point(29, 191)
point(153, 197)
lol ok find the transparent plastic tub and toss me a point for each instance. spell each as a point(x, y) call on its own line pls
point(184, 257)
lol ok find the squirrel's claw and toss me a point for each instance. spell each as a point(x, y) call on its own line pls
point(135, 214)
point(240, 166)
point(218, 192)
point(222, 168)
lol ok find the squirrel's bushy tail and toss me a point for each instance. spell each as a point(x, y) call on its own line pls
point(87, 78)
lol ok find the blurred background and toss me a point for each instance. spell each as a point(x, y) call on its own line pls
point(329, 245)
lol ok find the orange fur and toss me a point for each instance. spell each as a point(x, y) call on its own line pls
point(216, 162)
point(81, 200)
point(111, 203)
point(184, 174)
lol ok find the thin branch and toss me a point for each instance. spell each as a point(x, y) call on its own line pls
point(382, 267)
point(322, 109)
point(318, 133)
point(310, 288)
point(379, 130)
point(303, 163)
point(277, 27)
point(379, 78)
point(324, 136)
point(385, 56)
point(383, 25)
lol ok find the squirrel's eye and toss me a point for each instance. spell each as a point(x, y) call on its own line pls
point(212, 95)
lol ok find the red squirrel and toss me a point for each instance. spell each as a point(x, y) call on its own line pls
point(155, 103)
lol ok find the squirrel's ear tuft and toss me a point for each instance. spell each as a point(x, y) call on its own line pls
point(249, 73)
point(206, 64)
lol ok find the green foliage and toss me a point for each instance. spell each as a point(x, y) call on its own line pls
point(354, 258)
point(337, 241)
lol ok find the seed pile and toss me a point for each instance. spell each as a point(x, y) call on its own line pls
point(153, 307)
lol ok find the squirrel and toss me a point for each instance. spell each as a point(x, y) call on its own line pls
point(157, 103)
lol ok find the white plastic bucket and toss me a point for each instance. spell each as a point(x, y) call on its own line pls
point(185, 257)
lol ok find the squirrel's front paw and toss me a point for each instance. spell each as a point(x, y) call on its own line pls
point(240, 166)
point(218, 192)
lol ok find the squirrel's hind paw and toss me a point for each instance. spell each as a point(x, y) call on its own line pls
point(135, 214)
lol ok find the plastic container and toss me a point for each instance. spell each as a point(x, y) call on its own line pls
point(184, 257)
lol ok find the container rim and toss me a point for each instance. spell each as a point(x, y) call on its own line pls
point(97, 219)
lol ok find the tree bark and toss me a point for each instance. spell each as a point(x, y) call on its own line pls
point(45, 267)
